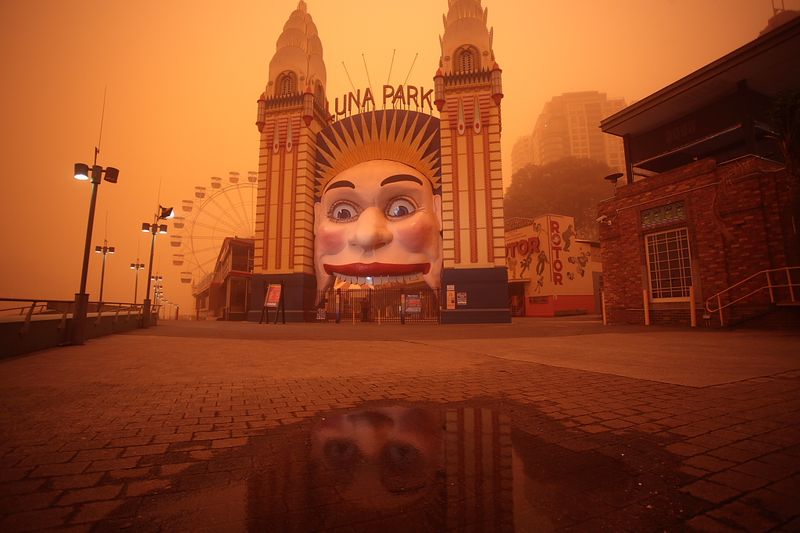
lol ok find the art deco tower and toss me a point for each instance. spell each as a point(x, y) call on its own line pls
point(291, 111)
point(468, 94)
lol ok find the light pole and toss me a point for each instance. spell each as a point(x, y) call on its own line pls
point(82, 173)
point(136, 267)
point(155, 228)
point(105, 250)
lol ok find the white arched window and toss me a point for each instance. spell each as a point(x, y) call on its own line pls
point(466, 60)
point(287, 84)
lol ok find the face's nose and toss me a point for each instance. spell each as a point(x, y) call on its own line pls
point(371, 231)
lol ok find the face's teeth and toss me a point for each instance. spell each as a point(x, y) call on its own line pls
point(412, 278)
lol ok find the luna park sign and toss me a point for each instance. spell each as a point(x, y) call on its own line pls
point(400, 96)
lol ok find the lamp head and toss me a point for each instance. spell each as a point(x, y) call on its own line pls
point(162, 229)
point(81, 171)
point(145, 227)
point(111, 249)
point(98, 249)
point(111, 174)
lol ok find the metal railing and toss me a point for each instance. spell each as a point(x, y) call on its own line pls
point(778, 282)
point(380, 306)
point(43, 309)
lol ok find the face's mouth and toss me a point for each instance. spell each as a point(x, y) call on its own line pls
point(378, 269)
point(379, 273)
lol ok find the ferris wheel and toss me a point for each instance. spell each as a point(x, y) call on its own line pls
point(225, 208)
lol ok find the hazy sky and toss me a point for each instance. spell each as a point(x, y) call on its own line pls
point(183, 77)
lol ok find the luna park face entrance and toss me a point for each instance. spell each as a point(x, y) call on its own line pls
point(379, 306)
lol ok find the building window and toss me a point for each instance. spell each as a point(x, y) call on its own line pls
point(669, 266)
point(287, 84)
point(466, 60)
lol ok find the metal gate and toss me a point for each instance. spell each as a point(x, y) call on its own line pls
point(395, 306)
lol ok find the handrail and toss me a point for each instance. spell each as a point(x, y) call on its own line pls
point(771, 287)
point(38, 307)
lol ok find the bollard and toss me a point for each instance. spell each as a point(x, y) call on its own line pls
point(603, 305)
point(692, 308)
point(646, 301)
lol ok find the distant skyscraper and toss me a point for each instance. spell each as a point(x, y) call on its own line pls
point(521, 153)
point(569, 126)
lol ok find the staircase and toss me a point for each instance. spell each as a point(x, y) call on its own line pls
point(757, 298)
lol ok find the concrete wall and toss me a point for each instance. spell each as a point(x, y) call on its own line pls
point(49, 331)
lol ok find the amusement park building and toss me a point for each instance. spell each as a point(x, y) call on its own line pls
point(550, 271)
point(301, 140)
point(706, 209)
point(224, 292)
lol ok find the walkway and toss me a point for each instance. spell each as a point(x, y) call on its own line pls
point(541, 425)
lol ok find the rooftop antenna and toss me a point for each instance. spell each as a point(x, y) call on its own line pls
point(351, 81)
point(389, 77)
point(364, 59)
point(411, 68)
point(348, 77)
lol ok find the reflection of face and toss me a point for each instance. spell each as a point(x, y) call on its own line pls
point(378, 222)
point(383, 457)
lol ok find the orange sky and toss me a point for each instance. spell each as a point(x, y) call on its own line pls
point(183, 77)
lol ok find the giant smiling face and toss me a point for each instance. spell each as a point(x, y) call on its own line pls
point(378, 222)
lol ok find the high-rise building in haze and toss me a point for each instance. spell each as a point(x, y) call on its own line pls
point(569, 126)
point(521, 153)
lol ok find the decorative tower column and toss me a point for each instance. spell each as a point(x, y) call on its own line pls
point(291, 111)
point(468, 90)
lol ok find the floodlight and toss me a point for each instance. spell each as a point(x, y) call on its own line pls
point(112, 174)
point(81, 171)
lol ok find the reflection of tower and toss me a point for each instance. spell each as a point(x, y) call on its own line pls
point(479, 469)
point(291, 111)
point(468, 95)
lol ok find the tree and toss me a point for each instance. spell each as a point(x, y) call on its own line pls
point(569, 186)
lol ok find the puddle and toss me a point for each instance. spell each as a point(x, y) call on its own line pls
point(417, 468)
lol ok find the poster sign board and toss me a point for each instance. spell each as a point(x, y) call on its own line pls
point(461, 298)
point(451, 296)
point(413, 303)
point(273, 297)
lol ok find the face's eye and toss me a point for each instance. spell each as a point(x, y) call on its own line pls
point(343, 212)
point(400, 207)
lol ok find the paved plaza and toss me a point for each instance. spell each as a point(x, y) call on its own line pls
point(541, 425)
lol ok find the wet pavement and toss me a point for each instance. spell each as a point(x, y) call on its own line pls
point(240, 427)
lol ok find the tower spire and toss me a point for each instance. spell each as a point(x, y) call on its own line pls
point(297, 62)
point(465, 29)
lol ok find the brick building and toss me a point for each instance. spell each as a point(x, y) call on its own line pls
point(706, 208)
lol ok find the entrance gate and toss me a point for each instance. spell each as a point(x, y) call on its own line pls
point(396, 306)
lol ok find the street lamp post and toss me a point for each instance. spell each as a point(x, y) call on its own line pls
point(84, 173)
point(154, 229)
point(136, 267)
point(105, 250)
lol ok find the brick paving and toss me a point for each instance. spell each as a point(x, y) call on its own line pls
point(144, 431)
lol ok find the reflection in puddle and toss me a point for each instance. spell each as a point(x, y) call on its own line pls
point(396, 468)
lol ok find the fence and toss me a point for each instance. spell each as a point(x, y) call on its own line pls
point(380, 306)
point(27, 325)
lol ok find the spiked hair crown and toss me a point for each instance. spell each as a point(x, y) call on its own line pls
point(408, 137)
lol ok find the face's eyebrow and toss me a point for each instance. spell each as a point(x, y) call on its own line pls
point(341, 183)
point(400, 177)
